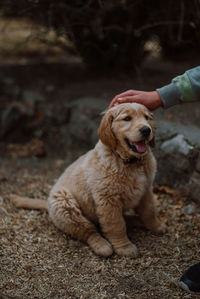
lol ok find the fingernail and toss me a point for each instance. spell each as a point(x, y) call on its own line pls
point(120, 99)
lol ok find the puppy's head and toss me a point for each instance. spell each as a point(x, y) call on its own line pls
point(128, 129)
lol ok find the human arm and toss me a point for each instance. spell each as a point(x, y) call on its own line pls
point(184, 88)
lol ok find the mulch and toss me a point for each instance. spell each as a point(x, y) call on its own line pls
point(39, 261)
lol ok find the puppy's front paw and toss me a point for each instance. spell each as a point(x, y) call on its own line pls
point(127, 250)
point(100, 245)
point(104, 249)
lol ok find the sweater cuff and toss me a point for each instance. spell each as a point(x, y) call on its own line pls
point(170, 95)
point(186, 89)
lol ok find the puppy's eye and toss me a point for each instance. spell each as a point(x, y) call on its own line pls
point(127, 118)
point(146, 116)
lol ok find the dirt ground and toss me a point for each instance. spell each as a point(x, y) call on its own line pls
point(37, 260)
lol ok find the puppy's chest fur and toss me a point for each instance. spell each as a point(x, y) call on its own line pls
point(124, 183)
point(131, 187)
point(127, 188)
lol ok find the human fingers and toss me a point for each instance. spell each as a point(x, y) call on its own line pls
point(151, 100)
point(123, 95)
point(127, 93)
point(130, 99)
point(118, 100)
point(113, 102)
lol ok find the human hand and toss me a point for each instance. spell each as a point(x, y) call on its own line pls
point(150, 99)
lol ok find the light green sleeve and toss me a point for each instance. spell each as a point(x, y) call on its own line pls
point(182, 89)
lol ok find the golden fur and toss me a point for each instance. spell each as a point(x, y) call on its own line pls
point(107, 181)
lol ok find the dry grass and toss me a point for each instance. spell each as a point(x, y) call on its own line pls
point(38, 261)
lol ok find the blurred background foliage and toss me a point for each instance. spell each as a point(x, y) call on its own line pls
point(114, 33)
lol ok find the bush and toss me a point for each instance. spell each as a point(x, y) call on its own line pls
point(113, 34)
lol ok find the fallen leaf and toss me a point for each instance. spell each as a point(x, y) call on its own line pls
point(34, 147)
point(179, 205)
point(167, 190)
point(170, 116)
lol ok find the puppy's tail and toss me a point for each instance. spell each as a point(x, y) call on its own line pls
point(29, 203)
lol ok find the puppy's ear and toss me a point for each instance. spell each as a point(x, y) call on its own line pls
point(105, 131)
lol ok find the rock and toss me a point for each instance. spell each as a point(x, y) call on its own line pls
point(20, 116)
point(175, 162)
point(8, 80)
point(193, 187)
point(164, 131)
point(173, 170)
point(189, 209)
point(85, 118)
point(198, 164)
point(59, 115)
point(16, 116)
point(38, 133)
point(11, 116)
point(50, 88)
point(32, 95)
point(177, 144)
point(11, 91)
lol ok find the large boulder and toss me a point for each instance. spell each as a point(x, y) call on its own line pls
point(178, 155)
point(85, 116)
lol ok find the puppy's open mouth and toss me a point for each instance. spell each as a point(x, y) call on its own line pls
point(137, 147)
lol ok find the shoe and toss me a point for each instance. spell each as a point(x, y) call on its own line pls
point(190, 281)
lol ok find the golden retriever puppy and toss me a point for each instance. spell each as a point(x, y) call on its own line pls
point(114, 177)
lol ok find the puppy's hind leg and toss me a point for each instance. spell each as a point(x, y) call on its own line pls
point(67, 216)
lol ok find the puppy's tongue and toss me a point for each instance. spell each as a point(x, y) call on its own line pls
point(140, 146)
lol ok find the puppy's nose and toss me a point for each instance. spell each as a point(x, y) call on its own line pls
point(145, 131)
